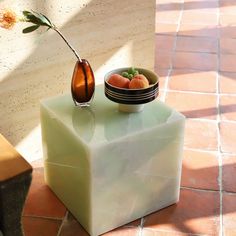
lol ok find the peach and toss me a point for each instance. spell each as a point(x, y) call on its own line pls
point(118, 81)
point(139, 82)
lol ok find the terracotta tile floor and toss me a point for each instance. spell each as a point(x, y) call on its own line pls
point(196, 61)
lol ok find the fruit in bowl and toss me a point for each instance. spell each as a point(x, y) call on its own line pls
point(141, 87)
point(139, 82)
point(130, 79)
point(118, 81)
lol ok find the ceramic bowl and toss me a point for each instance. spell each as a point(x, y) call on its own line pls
point(132, 100)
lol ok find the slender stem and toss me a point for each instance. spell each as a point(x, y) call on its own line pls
point(73, 50)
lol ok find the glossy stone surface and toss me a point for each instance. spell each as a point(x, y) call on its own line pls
point(109, 167)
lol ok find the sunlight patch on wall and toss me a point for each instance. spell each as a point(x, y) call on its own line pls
point(123, 57)
point(31, 146)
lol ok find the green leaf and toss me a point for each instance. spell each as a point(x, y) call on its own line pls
point(36, 18)
point(30, 29)
point(25, 13)
point(43, 19)
point(47, 19)
point(33, 19)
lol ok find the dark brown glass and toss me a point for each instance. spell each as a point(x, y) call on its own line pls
point(83, 83)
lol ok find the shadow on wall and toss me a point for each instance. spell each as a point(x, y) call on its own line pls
point(97, 31)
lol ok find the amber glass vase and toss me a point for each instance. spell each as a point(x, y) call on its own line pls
point(82, 84)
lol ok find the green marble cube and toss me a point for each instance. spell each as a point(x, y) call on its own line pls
point(108, 167)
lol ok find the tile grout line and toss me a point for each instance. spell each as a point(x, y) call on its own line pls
point(209, 151)
point(172, 232)
point(228, 192)
point(198, 92)
point(201, 150)
point(44, 217)
point(212, 121)
point(140, 232)
point(207, 190)
point(200, 119)
point(218, 126)
point(200, 189)
point(62, 223)
point(163, 98)
point(185, 36)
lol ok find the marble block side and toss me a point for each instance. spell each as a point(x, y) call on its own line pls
point(108, 167)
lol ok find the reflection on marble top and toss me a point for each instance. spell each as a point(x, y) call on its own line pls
point(102, 122)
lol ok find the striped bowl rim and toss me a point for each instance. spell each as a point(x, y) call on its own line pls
point(131, 96)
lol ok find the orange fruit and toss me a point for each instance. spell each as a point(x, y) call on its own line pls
point(119, 81)
point(139, 82)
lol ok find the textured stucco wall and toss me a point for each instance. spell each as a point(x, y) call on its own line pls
point(108, 33)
